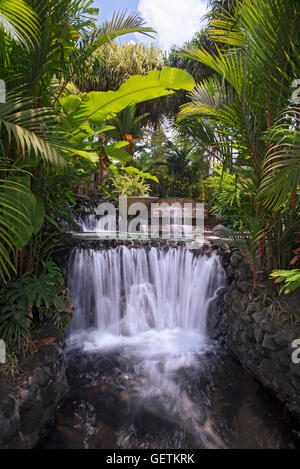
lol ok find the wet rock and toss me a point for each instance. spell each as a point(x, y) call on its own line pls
point(28, 397)
point(221, 291)
point(221, 231)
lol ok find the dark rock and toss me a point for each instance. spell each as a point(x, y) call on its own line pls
point(266, 373)
point(237, 308)
point(28, 397)
point(269, 343)
point(49, 393)
point(258, 317)
point(48, 354)
point(295, 369)
point(242, 326)
point(221, 231)
point(31, 419)
point(246, 317)
point(252, 308)
point(24, 418)
point(8, 428)
point(7, 406)
point(245, 302)
point(277, 363)
point(247, 336)
point(283, 338)
point(245, 286)
point(227, 298)
point(285, 358)
point(268, 326)
point(258, 334)
point(39, 376)
point(236, 296)
point(15, 443)
point(230, 271)
point(221, 291)
point(236, 259)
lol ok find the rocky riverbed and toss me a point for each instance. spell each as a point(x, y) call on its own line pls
point(208, 402)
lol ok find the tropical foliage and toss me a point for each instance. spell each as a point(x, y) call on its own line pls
point(291, 279)
point(57, 138)
point(83, 114)
point(246, 109)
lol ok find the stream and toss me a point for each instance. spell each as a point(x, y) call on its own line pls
point(143, 372)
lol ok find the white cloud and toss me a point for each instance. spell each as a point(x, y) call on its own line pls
point(176, 21)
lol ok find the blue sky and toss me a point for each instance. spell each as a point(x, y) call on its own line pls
point(107, 7)
point(175, 21)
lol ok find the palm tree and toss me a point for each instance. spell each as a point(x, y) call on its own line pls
point(254, 66)
point(128, 127)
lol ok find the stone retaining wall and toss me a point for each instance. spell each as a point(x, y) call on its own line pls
point(28, 402)
point(262, 344)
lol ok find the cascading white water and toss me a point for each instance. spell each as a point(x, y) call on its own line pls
point(140, 365)
point(130, 293)
point(89, 223)
point(147, 306)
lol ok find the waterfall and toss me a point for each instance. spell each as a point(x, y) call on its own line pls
point(141, 371)
point(125, 292)
point(90, 223)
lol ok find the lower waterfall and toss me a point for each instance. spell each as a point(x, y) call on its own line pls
point(122, 294)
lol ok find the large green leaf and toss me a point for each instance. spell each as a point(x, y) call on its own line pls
point(38, 215)
point(118, 154)
point(17, 204)
point(98, 106)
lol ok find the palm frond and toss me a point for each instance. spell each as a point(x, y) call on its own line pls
point(16, 207)
point(30, 129)
point(281, 176)
point(18, 21)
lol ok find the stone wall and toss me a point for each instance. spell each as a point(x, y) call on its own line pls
point(259, 341)
point(28, 401)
